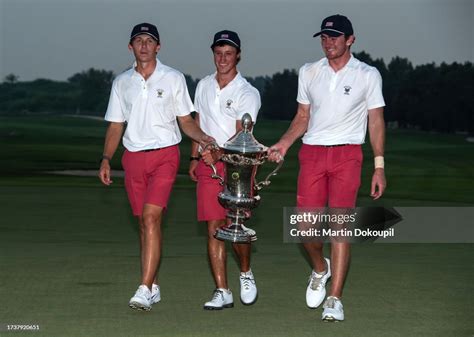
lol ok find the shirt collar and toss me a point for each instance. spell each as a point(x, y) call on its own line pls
point(158, 69)
point(350, 64)
point(236, 79)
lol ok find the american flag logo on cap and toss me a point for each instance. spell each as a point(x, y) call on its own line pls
point(144, 28)
point(329, 24)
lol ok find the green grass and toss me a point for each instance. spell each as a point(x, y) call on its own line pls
point(421, 168)
point(69, 246)
point(69, 263)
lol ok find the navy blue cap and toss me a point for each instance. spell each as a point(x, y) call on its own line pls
point(145, 28)
point(336, 25)
point(226, 37)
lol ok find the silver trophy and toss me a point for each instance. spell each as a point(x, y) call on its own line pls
point(243, 154)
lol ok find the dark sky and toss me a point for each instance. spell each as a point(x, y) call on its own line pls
point(57, 38)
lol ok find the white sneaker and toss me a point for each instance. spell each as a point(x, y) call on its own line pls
point(155, 294)
point(333, 310)
point(222, 298)
point(248, 288)
point(316, 290)
point(142, 299)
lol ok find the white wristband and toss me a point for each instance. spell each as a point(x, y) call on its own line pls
point(379, 162)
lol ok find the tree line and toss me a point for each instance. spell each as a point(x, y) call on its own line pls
point(428, 97)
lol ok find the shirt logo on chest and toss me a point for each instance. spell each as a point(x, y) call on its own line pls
point(228, 104)
point(347, 89)
point(159, 93)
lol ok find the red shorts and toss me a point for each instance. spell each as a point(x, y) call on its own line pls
point(149, 176)
point(208, 206)
point(329, 176)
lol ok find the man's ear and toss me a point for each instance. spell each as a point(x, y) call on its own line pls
point(350, 41)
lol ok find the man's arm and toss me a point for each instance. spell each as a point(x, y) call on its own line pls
point(194, 154)
point(211, 156)
point(193, 131)
point(377, 140)
point(298, 127)
point(112, 140)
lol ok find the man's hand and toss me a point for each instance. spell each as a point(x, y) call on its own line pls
point(278, 151)
point(378, 183)
point(205, 140)
point(104, 172)
point(192, 170)
point(211, 155)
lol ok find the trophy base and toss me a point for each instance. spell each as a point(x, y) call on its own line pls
point(236, 234)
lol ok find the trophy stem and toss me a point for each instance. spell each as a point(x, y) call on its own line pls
point(236, 232)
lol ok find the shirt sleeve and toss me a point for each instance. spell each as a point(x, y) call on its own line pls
point(114, 109)
point(184, 105)
point(197, 97)
point(303, 95)
point(249, 103)
point(374, 90)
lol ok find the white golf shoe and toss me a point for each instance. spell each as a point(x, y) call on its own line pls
point(155, 293)
point(142, 299)
point(248, 288)
point(316, 290)
point(221, 298)
point(333, 310)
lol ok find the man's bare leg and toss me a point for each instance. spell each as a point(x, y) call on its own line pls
point(151, 240)
point(315, 254)
point(243, 251)
point(217, 254)
point(340, 258)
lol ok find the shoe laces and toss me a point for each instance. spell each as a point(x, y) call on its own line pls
point(316, 282)
point(218, 295)
point(330, 302)
point(247, 281)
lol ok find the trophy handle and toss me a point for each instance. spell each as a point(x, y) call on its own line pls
point(214, 146)
point(267, 181)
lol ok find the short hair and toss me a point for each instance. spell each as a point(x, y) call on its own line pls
point(225, 43)
point(157, 41)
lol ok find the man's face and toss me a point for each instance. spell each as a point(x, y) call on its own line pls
point(335, 47)
point(225, 58)
point(144, 48)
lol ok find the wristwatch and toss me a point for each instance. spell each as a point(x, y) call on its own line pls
point(104, 157)
point(193, 158)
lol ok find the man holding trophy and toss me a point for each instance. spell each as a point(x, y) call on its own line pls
point(337, 97)
point(221, 100)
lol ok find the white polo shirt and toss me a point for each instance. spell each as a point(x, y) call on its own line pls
point(220, 108)
point(149, 107)
point(339, 101)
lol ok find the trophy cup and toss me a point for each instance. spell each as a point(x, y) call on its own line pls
point(242, 156)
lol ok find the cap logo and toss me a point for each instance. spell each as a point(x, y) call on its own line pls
point(329, 24)
point(225, 36)
point(144, 28)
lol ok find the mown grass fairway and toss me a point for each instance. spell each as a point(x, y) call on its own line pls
point(69, 248)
